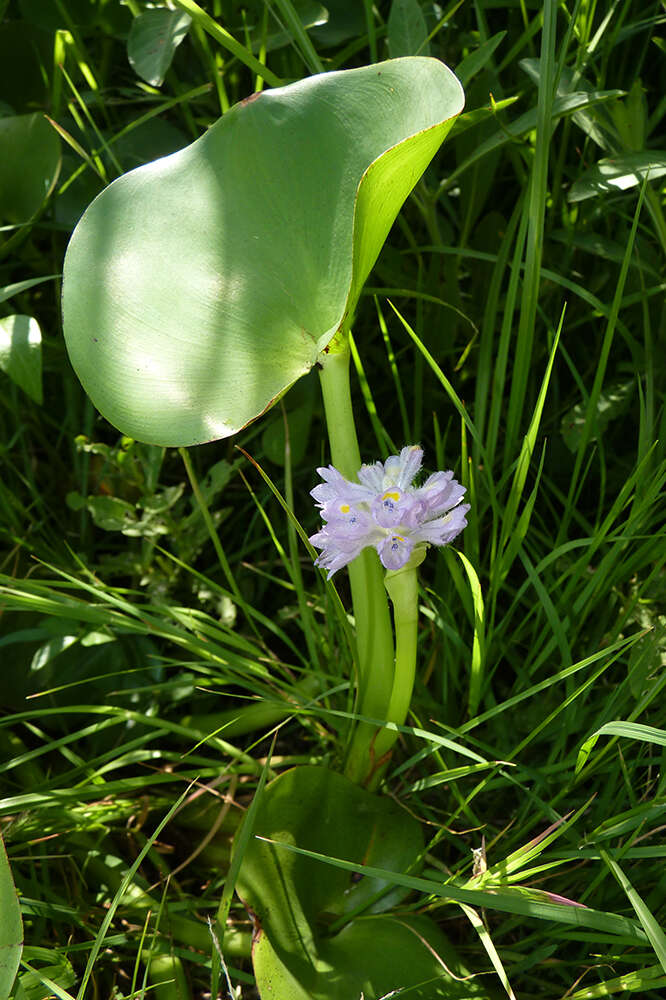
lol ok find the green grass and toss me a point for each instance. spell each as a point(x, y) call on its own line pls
point(161, 621)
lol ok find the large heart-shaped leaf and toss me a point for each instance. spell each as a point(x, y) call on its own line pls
point(298, 953)
point(198, 288)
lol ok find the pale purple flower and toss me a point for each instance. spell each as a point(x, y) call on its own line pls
point(384, 509)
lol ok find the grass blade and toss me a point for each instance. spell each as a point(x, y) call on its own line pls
point(632, 730)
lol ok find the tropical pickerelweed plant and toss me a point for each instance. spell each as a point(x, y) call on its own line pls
point(289, 199)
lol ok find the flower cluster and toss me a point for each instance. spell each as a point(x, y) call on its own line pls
point(384, 509)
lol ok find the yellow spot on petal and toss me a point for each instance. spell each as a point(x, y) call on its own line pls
point(344, 508)
point(391, 495)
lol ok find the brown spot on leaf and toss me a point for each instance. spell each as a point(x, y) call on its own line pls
point(257, 929)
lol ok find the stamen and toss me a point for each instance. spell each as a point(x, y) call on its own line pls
point(390, 499)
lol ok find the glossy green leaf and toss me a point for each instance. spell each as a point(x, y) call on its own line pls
point(29, 165)
point(619, 174)
point(370, 958)
point(302, 949)
point(472, 64)
point(21, 353)
point(346, 20)
point(407, 29)
point(596, 120)
point(199, 287)
point(51, 649)
point(11, 929)
point(612, 403)
point(154, 37)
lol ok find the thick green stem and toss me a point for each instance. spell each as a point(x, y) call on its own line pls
point(374, 638)
point(403, 589)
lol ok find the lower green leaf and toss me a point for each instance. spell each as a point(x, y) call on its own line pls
point(322, 932)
